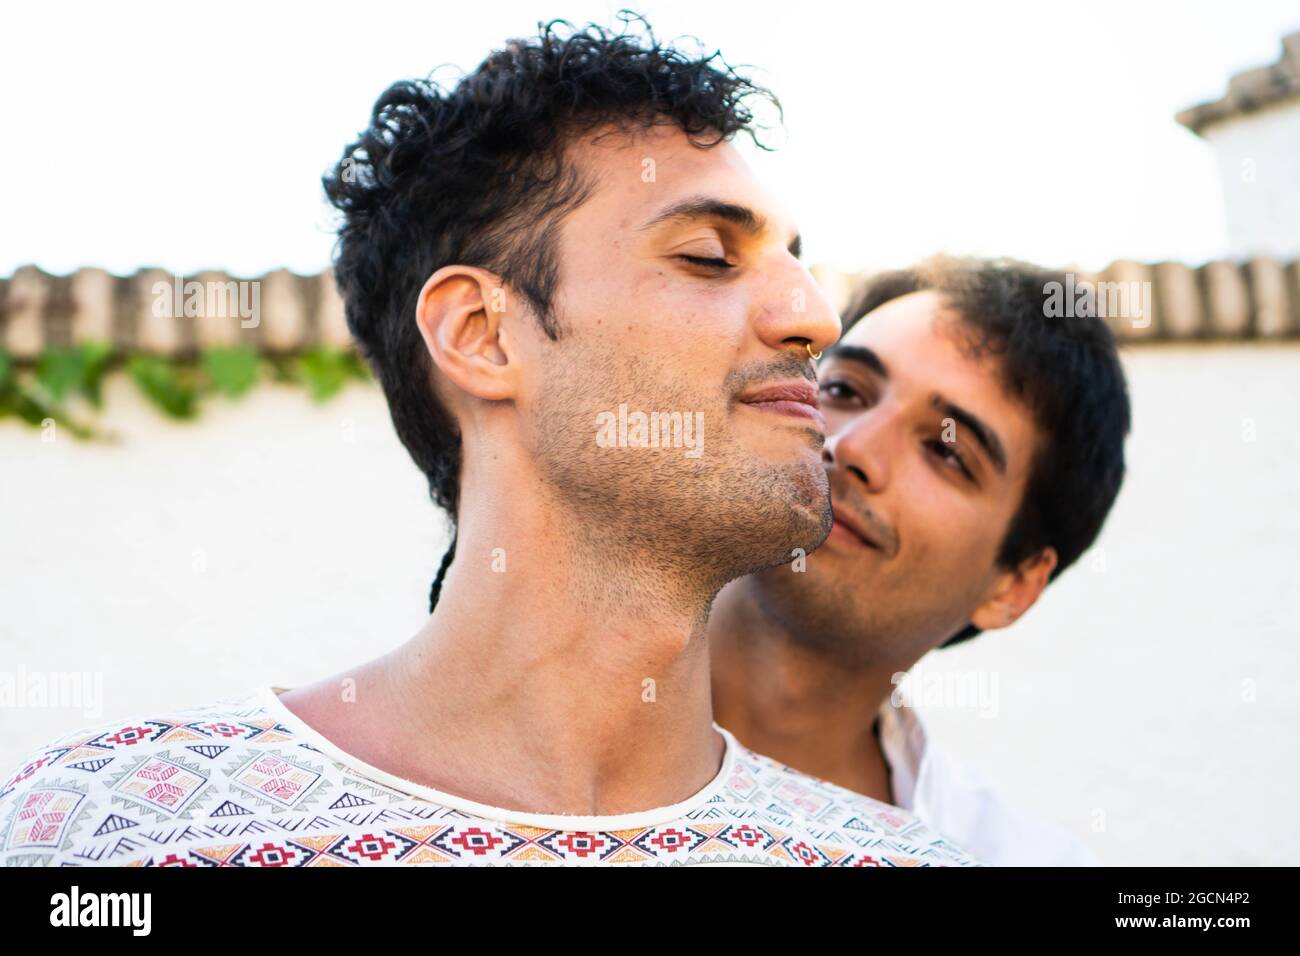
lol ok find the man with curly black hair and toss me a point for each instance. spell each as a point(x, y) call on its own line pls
point(595, 336)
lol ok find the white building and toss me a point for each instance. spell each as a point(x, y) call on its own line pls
point(1255, 131)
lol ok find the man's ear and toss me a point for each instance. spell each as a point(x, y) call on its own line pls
point(1016, 591)
point(460, 314)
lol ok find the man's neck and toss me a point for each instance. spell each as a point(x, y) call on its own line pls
point(554, 677)
point(783, 698)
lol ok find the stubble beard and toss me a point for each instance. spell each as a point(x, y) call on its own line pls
point(682, 526)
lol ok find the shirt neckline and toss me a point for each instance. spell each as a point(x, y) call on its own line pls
point(906, 745)
point(269, 695)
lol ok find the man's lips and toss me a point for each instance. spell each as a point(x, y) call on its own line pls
point(853, 527)
point(795, 398)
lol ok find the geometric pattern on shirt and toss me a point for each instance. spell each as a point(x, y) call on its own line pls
point(229, 784)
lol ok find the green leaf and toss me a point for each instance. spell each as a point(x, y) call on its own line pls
point(95, 357)
point(283, 369)
point(30, 408)
point(356, 366)
point(12, 402)
point(163, 384)
point(324, 371)
point(232, 370)
point(36, 393)
point(35, 409)
point(59, 371)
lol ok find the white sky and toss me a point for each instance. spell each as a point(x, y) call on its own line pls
point(193, 136)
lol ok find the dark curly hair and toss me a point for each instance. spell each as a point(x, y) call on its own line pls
point(1065, 370)
point(478, 175)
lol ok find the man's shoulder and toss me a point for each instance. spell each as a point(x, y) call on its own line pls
point(964, 804)
point(116, 775)
point(989, 822)
point(885, 835)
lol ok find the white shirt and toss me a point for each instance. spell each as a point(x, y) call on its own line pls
point(245, 782)
point(963, 806)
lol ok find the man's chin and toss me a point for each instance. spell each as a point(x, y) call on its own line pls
point(816, 499)
point(808, 519)
point(818, 521)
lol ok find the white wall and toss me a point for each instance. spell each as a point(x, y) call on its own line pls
point(1155, 696)
point(1259, 168)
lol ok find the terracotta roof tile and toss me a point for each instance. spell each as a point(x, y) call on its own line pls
point(1251, 90)
point(1220, 300)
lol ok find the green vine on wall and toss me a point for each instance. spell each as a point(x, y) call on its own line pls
point(43, 390)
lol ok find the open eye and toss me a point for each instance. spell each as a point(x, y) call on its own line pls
point(839, 391)
point(950, 457)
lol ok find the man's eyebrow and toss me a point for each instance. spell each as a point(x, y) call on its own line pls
point(860, 354)
point(708, 207)
point(985, 435)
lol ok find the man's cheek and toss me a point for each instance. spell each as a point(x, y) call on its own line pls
point(933, 553)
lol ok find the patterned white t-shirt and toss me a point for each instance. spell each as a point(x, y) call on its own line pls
point(244, 782)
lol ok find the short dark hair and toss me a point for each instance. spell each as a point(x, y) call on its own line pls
point(477, 175)
point(1066, 371)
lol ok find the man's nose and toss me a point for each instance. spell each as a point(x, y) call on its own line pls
point(862, 447)
point(794, 311)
